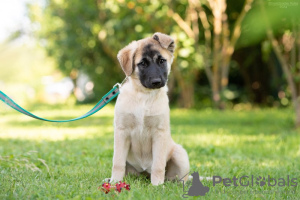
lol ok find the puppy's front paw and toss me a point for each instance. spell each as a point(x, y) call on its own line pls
point(106, 180)
point(156, 183)
point(113, 180)
point(157, 180)
point(157, 177)
point(110, 180)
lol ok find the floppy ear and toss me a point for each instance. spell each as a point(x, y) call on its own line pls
point(125, 57)
point(165, 41)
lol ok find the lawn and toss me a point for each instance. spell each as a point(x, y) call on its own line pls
point(42, 160)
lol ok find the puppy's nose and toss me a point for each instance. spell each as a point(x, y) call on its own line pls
point(156, 81)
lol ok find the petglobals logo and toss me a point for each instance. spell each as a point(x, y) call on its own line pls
point(246, 181)
point(196, 187)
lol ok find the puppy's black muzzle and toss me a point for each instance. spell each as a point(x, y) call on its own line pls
point(156, 82)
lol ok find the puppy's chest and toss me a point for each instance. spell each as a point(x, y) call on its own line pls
point(141, 138)
point(141, 126)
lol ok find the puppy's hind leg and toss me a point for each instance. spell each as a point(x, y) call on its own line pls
point(178, 166)
point(131, 170)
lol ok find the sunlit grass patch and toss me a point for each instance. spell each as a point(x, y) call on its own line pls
point(18, 126)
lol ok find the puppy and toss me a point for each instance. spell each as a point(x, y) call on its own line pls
point(142, 138)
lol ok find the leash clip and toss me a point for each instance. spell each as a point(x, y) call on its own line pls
point(120, 84)
point(117, 84)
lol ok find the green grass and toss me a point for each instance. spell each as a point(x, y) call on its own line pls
point(71, 159)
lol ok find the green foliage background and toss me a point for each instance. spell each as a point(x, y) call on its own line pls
point(86, 36)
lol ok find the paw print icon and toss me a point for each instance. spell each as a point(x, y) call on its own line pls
point(261, 181)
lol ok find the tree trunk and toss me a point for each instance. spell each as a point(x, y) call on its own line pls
point(297, 120)
point(74, 76)
point(186, 99)
point(187, 96)
point(217, 12)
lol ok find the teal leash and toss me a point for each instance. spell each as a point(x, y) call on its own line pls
point(103, 102)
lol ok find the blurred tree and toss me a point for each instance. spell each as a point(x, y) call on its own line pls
point(69, 31)
point(287, 50)
point(220, 39)
point(85, 36)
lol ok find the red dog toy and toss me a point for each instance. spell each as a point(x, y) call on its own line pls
point(107, 187)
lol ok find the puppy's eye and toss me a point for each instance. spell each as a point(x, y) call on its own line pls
point(143, 63)
point(161, 61)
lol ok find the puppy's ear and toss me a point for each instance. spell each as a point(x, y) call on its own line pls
point(165, 41)
point(126, 58)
